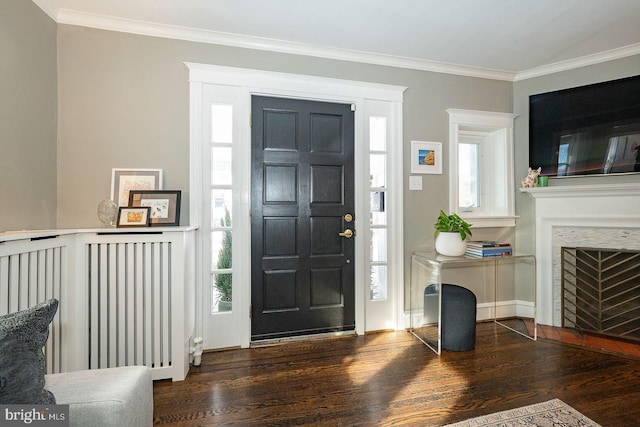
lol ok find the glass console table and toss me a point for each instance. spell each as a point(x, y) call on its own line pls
point(505, 289)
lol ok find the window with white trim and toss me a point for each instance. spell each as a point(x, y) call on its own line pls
point(481, 167)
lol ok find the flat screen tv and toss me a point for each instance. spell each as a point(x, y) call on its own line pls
point(586, 130)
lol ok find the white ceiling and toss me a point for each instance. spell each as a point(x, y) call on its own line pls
point(505, 39)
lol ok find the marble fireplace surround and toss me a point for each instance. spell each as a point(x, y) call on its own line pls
point(599, 216)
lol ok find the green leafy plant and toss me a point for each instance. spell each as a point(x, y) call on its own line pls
point(223, 281)
point(452, 223)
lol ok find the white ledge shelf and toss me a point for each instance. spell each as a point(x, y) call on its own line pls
point(9, 236)
point(596, 190)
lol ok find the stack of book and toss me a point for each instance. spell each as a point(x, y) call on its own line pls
point(483, 248)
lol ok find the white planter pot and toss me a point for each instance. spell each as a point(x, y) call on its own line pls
point(450, 244)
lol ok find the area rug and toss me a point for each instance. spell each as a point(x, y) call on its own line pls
point(552, 413)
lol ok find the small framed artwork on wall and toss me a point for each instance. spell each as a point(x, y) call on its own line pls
point(426, 157)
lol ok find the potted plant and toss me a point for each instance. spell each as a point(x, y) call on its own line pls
point(451, 232)
point(223, 282)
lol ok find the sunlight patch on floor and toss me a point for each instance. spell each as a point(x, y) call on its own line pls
point(357, 375)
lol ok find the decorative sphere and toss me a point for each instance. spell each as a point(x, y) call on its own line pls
point(107, 212)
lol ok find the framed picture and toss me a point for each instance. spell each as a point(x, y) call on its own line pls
point(426, 157)
point(134, 217)
point(125, 180)
point(164, 205)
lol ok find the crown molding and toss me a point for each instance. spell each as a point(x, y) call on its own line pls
point(71, 17)
point(583, 61)
point(47, 8)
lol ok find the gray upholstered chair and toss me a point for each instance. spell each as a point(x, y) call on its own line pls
point(112, 397)
point(118, 397)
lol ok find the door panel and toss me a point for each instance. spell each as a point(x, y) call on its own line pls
point(280, 184)
point(302, 186)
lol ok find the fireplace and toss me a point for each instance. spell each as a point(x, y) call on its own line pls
point(601, 291)
point(576, 216)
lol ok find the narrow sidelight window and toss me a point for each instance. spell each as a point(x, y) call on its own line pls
point(377, 214)
point(221, 185)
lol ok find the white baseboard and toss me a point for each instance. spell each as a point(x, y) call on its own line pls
point(504, 309)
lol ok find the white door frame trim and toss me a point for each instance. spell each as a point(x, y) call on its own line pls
point(255, 82)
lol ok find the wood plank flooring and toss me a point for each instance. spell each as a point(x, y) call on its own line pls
point(393, 379)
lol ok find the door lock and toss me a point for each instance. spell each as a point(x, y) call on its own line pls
point(348, 218)
point(348, 233)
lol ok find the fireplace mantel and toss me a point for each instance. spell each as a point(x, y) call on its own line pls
point(598, 190)
point(583, 211)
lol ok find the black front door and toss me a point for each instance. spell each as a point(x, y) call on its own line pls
point(302, 198)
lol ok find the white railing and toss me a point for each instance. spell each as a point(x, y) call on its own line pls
point(126, 298)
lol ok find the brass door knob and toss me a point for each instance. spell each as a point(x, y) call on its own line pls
point(348, 233)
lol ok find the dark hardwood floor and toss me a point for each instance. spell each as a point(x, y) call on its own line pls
point(393, 379)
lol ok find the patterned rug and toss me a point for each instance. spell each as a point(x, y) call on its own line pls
point(552, 413)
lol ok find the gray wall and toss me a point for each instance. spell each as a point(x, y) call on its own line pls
point(28, 115)
point(525, 230)
point(124, 102)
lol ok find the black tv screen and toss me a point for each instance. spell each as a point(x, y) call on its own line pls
point(587, 130)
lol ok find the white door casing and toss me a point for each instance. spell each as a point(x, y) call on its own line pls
point(235, 86)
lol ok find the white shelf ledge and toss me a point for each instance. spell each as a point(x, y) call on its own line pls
point(596, 190)
point(9, 236)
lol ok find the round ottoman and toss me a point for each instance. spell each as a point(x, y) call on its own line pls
point(458, 317)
